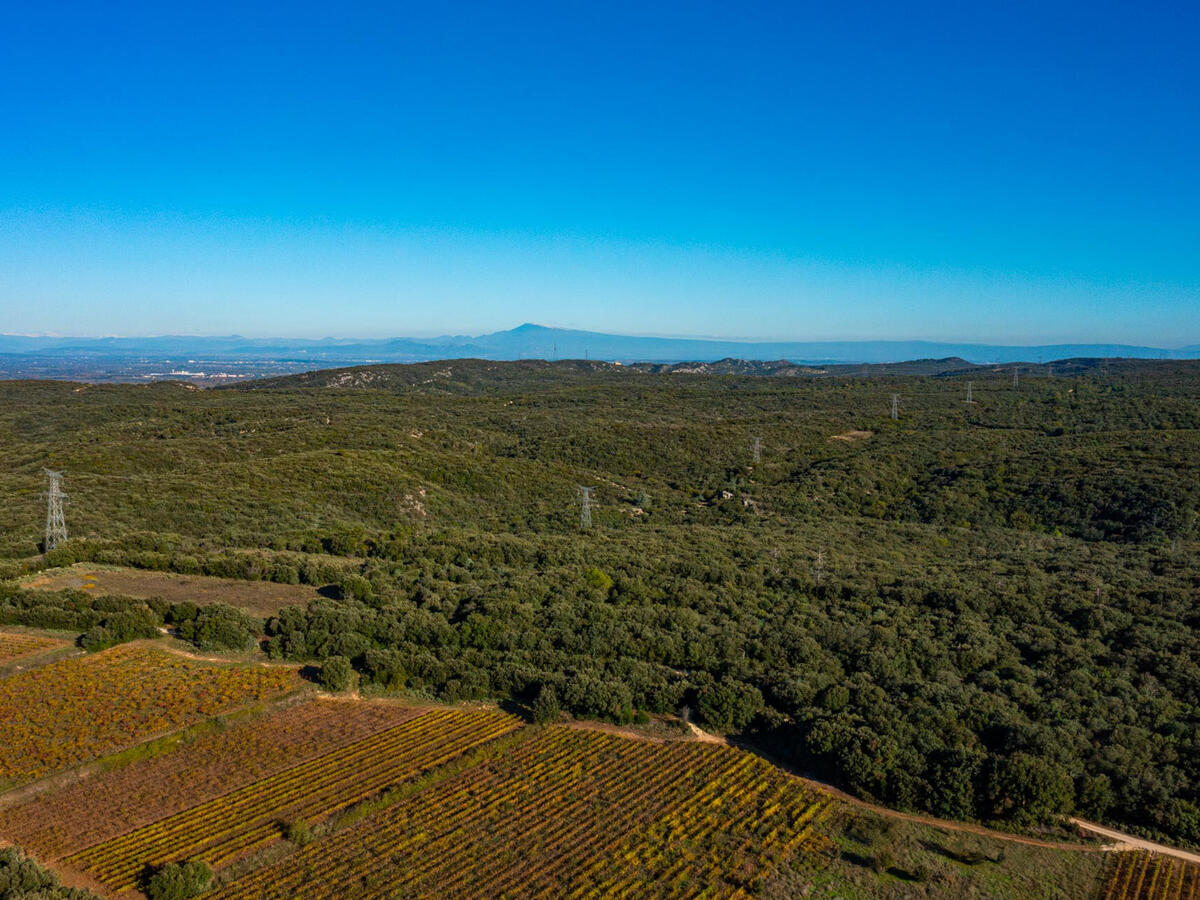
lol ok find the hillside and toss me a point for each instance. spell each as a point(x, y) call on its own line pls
point(341, 796)
point(984, 610)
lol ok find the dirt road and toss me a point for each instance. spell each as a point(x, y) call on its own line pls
point(1124, 841)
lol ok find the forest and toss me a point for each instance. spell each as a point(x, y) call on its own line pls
point(986, 610)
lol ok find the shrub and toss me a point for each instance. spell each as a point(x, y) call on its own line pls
point(179, 881)
point(96, 638)
point(219, 627)
point(729, 704)
point(355, 587)
point(546, 707)
point(336, 674)
point(298, 832)
point(21, 878)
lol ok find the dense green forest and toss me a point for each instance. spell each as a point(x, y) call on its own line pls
point(986, 610)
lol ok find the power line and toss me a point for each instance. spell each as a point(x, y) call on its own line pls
point(586, 507)
point(56, 522)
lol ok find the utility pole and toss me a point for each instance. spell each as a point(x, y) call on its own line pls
point(757, 449)
point(970, 384)
point(585, 507)
point(895, 406)
point(56, 522)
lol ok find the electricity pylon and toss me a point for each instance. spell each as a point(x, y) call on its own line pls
point(56, 522)
point(757, 449)
point(585, 507)
point(895, 406)
point(970, 384)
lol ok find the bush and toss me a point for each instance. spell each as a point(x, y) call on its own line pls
point(122, 618)
point(884, 860)
point(355, 587)
point(546, 707)
point(184, 611)
point(96, 638)
point(336, 674)
point(23, 879)
point(729, 705)
point(179, 881)
point(219, 627)
point(298, 832)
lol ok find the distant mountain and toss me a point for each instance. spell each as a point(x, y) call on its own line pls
point(534, 341)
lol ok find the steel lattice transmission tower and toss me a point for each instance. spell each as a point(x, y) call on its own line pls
point(895, 406)
point(757, 447)
point(56, 522)
point(970, 384)
point(585, 506)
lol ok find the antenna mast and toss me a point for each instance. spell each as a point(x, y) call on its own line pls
point(56, 522)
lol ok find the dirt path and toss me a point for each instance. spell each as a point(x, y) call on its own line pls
point(160, 644)
point(1129, 842)
point(704, 737)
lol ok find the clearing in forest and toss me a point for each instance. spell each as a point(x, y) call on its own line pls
point(80, 708)
point(260, 598)
point(851, 436)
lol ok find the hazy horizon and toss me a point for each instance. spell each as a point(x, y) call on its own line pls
point(474, 334)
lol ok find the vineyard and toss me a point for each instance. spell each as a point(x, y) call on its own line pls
point(60, 822)
point(567, 812)
point(77, 709)
point(226, 828)
point(15, 646)
point(1151, 876)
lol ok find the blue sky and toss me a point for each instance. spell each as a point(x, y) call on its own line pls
point(1008, 172)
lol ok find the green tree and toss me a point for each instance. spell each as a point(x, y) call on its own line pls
point(336, 674)
point(545, 706)
point(220, 627)
point(179, 881)
point(21, 878)
point(729, 704)
point(1026, 788)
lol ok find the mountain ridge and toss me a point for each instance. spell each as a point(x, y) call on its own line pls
point(530, 340)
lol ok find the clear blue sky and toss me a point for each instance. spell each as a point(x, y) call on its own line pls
point(1017, 172)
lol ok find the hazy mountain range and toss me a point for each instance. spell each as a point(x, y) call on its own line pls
point(537, 341)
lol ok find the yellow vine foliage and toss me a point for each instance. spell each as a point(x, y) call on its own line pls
point(1151, 876)
point(80, 708)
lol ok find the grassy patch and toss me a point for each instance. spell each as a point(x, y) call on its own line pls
point(875, 858)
